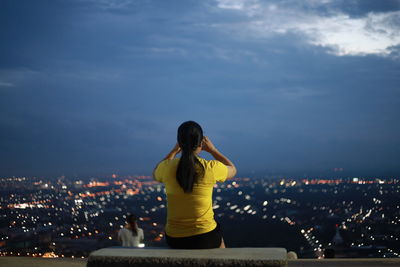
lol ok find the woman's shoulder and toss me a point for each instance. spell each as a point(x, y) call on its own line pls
point(170, 162)
point(124, 230)
point(209, 163)
point(165, 169)
point(203, 160)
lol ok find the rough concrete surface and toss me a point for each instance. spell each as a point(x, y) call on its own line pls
point(41, 262)
point(67, 262)
point(203, 257)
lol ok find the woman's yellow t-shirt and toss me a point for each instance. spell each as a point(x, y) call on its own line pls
point(190, 213)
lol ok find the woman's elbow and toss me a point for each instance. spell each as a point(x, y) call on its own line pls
point(234, 171)
point(231, 172)
point(154, 174)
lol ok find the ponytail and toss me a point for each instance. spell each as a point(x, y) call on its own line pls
point(190, 136)
point(132, 222)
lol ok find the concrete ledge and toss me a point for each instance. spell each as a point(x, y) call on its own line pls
point(121, 257)
point(77, 262)
point(41, 262)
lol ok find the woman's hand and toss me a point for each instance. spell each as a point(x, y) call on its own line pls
point(207, 145)
point(176, 149)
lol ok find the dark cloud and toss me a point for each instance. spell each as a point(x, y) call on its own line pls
point(362, 7)
point(94, 87)
point(354, 8)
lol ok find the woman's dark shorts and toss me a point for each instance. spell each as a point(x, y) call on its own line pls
point(211, 239)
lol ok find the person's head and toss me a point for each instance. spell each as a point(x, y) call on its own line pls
point(190, 137)
point(131, 220)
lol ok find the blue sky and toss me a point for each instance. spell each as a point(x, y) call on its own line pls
point(292, 87)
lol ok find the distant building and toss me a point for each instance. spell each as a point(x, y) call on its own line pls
point(337, 239)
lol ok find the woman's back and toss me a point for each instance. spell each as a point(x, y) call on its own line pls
point(190, 213)
point(189, 182)
point(129, 239)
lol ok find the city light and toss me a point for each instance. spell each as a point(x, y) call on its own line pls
point(70, 218)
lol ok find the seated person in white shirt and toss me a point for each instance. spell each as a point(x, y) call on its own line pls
point(131, 235)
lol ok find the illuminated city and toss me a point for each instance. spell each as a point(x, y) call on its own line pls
point(63, 217)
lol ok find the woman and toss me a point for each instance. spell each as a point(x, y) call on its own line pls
point(131, 235)
point(189, 182)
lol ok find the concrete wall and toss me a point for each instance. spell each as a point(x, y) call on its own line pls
point(112, 257)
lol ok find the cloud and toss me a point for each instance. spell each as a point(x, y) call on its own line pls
point(374, 33)
point(109, 4)
point(6, 84)
point(233, 4)
point(86, 103)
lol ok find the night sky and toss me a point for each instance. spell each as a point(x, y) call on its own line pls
point(95, 87)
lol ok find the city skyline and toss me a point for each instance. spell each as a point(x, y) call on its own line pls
point(281, 87)
point(70, 218)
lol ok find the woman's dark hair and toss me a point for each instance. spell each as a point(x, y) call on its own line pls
point(131, 219)
point(190, 136)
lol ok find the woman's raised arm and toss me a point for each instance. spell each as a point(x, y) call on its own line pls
point(171, 155)
point(210, 148)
